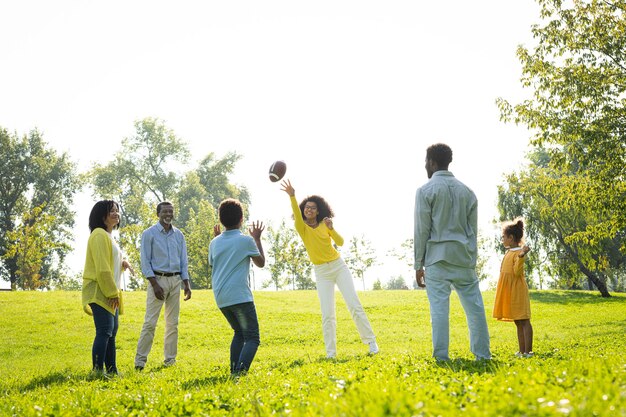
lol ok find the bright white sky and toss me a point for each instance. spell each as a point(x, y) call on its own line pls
point(348, 93)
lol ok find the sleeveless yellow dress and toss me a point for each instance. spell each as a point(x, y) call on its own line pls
point(512, 300)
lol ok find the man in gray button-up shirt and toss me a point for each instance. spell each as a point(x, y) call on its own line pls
point(445, 246)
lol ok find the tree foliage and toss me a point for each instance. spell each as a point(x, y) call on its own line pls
point(549, 201)
point(361, 257)
point(288, 261)
point(397, 283)
point(577, 74)
point(148, 169)
point(36, 182)
point(29, 244)
point(199, 232)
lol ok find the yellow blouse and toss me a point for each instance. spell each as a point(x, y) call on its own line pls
point(98, 275)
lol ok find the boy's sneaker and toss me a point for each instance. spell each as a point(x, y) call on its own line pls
point(519, 355)
point(373, 348)
point(529, 354)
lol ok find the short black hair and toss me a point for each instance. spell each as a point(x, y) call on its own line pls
point(323, 208)
point(230, 212)
point(99, 212)
point(440, 153)
point(161, 204)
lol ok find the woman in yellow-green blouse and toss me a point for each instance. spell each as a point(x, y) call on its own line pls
point(102, 297)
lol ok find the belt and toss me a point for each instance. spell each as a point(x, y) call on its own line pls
point(166, 274)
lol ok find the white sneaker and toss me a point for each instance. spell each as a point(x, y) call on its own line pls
point(373, 348)
point(528, 355)
point(519, 355)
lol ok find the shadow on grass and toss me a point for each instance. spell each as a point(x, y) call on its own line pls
point(572, 297)
point(63, 377)
point(469, 365)
point(203, 382)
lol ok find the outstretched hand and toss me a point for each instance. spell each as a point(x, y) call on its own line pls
point(287, 187)
point(255, 229)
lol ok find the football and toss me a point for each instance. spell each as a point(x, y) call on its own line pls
point(277, 171)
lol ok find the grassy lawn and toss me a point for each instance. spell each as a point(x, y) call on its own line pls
point(579, 369)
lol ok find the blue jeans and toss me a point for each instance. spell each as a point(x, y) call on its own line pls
point(103, 350)
point(243, 320)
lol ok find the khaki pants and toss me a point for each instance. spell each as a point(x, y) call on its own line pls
point(171, 289)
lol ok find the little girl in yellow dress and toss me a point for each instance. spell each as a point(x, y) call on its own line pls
point(512, 301)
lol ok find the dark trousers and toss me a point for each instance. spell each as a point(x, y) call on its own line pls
point(103, 350)
point(243, 320)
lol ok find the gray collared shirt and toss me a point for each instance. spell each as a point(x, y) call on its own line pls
point(163, 251)
point(446, 222)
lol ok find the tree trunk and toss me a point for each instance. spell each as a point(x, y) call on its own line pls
point(600, 285)
point(11, 265)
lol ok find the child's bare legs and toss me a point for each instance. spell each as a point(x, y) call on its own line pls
point(524, 335)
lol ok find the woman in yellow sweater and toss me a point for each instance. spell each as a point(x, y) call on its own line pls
point(314, 224)
point(102, 297)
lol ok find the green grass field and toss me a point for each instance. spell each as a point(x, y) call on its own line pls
point(579, 370)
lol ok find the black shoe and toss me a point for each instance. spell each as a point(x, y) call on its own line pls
point(138, 368)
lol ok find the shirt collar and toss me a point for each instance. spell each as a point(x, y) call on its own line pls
point(443, 173)
point(162, 229)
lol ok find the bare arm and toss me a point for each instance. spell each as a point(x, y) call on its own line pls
point(255, 229)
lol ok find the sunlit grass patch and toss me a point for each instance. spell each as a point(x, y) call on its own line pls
point(579, 368)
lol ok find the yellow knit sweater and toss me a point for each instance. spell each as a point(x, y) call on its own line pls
point(316, 240)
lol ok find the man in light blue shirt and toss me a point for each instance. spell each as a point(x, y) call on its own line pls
point(229, 255)
point(445, 236)
point(164, 264)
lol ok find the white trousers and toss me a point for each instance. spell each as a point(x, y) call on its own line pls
point(171, 289)
point(327, 276)
point(439, 281)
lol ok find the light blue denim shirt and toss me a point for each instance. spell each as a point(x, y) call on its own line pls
point(446, 222)
point(163, 251)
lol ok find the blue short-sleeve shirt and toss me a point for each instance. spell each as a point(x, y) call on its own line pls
point(229, 255)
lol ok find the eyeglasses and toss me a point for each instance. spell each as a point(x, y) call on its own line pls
point(312, 208)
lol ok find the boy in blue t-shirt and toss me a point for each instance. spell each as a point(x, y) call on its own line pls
point(229, 255)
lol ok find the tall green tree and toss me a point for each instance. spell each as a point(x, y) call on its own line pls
point(550, 202)
point(361, 257)
point(199, 232)
point(288, 260)
point(29, 244)
point(213, 174)
point(35, 176)
point(149, 168)
point(576, 74)
point(146, 171)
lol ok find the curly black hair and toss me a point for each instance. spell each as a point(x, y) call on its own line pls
point(323, 208)
point(515, 229)
point(230, 212)
point(440, 153)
